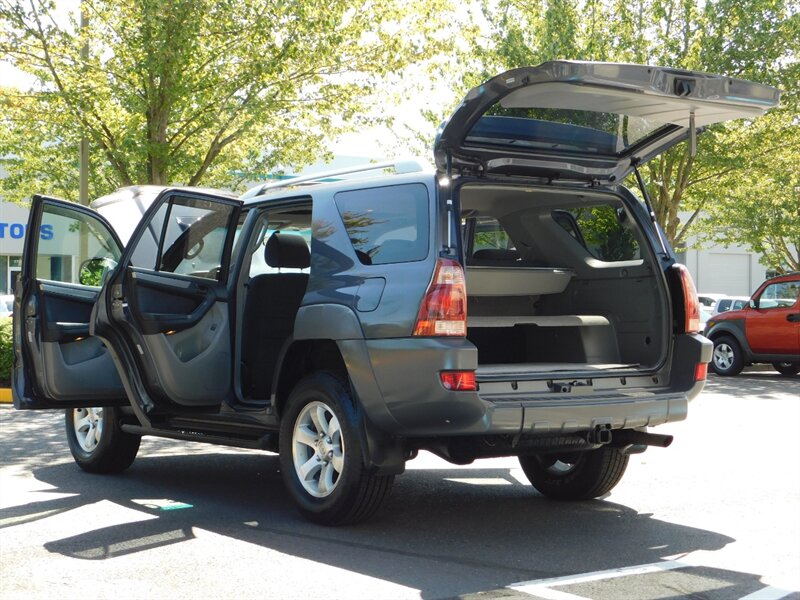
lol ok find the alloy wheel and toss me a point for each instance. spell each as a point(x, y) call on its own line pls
point(723, 356)
point(318, 449)
point(88, 423)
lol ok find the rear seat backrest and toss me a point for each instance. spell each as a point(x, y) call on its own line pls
point(273, 300)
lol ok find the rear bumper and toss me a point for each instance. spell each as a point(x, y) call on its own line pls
point(412, 402)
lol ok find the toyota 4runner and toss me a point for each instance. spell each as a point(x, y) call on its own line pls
point(515, 301)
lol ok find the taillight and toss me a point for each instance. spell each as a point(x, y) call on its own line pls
point(444, 308)
point(691, 306)
point(459, 381)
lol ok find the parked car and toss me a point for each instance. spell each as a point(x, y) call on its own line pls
point(6, 305)
point(766, 330)
point(709, 300)
point(730, 303)
point(330, 323)
point(705, 314)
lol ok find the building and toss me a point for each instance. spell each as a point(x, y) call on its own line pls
point(13, 221)
point(734, 271)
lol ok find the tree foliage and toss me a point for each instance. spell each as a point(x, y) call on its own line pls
point(750, 39)
point(194, 92)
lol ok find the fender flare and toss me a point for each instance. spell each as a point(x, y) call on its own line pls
point(729, 328)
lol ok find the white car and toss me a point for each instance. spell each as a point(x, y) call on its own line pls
point(731, 303)
point(6, 305)
point(710, 300)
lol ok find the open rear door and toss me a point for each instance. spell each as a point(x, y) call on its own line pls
point(587, 121)
point(69, 249)
point(165, 312)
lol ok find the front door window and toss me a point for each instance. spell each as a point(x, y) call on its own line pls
point(70, 240)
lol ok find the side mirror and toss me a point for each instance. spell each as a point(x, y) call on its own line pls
point(753, 303)
point(93, 271)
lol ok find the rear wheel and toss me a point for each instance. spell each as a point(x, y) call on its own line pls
point(575, 475)
point(96, 441)
point(321, 455)
point(727, 358)
point(787, 368)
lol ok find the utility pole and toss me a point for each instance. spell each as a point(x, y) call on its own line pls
point(83, 186)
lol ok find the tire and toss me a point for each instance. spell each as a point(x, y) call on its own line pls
point(321, 454)
point(787, 368)
point(575, 475)
point(727, 358)
point(96, 441)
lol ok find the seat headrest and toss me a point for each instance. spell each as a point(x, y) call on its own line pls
point(288, 251)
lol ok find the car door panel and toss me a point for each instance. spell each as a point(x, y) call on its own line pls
point(173, 312)
point(772, 331)
point(57, 363)
point(65, 358)
point(199, 359)
point(162, 303)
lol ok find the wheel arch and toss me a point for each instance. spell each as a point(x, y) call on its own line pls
point(382, 451)
point(734, 329)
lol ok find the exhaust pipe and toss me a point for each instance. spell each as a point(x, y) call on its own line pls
point(626, 437)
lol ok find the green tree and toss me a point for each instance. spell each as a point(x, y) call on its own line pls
point(208, 92)
point(759, 205)
point(751, 39)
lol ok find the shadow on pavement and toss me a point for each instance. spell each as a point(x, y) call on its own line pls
point(435, 526)
point(765, 384)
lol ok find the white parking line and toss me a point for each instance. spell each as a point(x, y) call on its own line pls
point(542, 587)
point(768, 593)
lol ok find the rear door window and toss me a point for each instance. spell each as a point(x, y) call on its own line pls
point(387, 224)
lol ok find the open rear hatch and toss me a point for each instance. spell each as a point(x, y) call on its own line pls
point(589, 121)
point(567, 281)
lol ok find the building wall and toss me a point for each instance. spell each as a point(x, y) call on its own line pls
point(13, 221)
point(733, 271)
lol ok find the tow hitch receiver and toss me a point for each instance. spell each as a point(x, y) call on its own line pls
point(601, 434)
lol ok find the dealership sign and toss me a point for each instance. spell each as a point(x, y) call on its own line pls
point(16, 231)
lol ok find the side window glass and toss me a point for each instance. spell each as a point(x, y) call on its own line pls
point(602, 230)
point(145, 253)
point(195, 236)
point(491, 242)
point(780, 295)
point(387, 224)
point(74, 247)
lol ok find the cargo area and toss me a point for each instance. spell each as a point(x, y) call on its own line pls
point(559, 281)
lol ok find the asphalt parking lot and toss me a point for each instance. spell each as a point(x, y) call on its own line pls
point(713, 516)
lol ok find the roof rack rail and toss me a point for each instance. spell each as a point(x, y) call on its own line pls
point(400, 166)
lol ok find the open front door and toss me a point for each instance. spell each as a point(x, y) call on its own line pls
point(68, 251)
point(165, 311)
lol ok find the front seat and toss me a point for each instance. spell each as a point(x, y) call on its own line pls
point(271, 306)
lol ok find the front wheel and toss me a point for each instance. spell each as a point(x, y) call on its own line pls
point(96, 441)
point(321, 454)
point(787, 368)
point(575, 475)
point(727, 358)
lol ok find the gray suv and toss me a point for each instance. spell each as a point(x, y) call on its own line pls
point(516, 300)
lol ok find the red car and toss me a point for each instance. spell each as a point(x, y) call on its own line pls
point(767, 330)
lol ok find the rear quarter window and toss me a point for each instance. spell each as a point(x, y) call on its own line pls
point(387, 224)
point(602, 230)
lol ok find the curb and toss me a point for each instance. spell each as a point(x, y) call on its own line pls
point(5, 396)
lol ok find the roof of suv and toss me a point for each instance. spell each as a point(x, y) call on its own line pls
point(364, 172)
